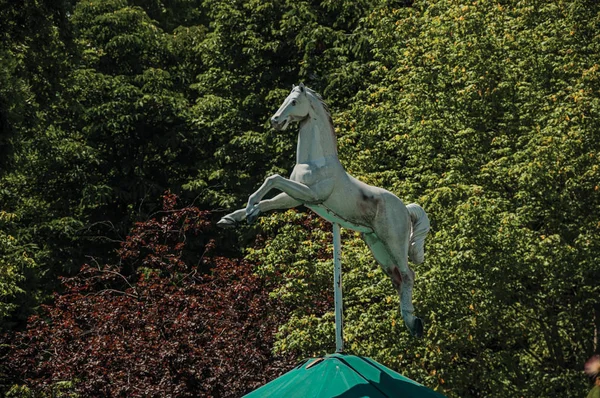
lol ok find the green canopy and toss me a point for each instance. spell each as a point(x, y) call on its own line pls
point(340, 375)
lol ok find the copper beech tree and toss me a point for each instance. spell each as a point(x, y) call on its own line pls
point(153, 324)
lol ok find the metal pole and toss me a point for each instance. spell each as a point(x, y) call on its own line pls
point(337, 289)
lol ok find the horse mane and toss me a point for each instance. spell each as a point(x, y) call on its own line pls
point(317, 96)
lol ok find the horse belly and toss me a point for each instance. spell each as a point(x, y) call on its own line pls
point(331, 216)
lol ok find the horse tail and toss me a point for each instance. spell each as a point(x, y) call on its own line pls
point(418, 232)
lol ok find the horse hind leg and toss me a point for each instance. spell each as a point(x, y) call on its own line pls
point(406, 282)
point(419, 229)
point(402, 281)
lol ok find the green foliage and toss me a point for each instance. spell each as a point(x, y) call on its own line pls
point(106, 104)
point(483, 112)
point(16, 264)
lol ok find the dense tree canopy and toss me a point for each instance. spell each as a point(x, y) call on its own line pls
point(484, 112)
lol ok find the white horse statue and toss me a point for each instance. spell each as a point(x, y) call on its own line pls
point(394, 232)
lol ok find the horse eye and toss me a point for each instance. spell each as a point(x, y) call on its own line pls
point(294, 103)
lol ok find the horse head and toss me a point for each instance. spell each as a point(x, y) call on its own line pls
point(295, 108)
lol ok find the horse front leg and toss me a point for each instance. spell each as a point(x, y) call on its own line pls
point(296, 190)
point(279, 202)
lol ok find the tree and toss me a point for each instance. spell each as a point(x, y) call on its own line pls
point(481, 113)
point(153, 324)
point(34, 58)
point(485, 113)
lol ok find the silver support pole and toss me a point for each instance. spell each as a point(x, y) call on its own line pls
point(337, 289)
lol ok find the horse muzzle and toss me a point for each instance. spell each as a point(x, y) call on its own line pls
point(279, 123)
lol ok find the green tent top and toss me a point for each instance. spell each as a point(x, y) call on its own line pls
point(342, 376)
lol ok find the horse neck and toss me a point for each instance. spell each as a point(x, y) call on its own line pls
point(316, 139)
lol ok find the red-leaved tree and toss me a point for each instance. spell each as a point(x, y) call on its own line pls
point(153, 325)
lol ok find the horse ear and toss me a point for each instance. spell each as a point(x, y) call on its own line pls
point(293, 86)
point(301, 87)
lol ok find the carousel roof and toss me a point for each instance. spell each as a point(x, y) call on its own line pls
point(341, 375)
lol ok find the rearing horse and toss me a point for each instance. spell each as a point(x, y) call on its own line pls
point(394, 232)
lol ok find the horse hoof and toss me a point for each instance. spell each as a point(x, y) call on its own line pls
point(417, 329)
point(252, 217)
point(226, 222)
